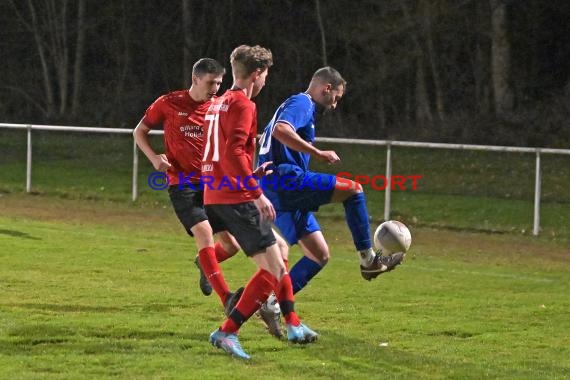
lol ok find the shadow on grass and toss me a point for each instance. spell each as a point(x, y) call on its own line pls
point(65, 308)
point(18, 234)
point(41, 338)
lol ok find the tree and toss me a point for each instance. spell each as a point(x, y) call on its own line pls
point(51, 27)
point(78, 65)
point(500, 58)
point(321, 31)
point(187, 33)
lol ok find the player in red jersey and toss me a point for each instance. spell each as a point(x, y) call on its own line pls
point(235, 202)
point(181, 113)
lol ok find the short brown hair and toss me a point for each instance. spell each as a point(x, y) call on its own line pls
point(246, 59)
point(329, 75)
point(207, 66)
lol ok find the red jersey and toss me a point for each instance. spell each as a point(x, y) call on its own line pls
point(183, 121)
point(231, 129)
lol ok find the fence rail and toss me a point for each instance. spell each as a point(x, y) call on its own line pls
point(387, 143)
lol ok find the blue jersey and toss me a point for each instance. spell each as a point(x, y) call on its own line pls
point(292, 186)
point(299, 112)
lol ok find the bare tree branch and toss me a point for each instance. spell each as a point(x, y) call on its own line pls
point(28, 97)
point(322, 32)
point(78, 62)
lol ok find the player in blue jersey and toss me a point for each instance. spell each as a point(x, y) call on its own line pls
point(296, 192)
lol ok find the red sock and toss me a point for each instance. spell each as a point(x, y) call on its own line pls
point(255, 293)
point(221, 253)
point(209, 264)
point(284, 293)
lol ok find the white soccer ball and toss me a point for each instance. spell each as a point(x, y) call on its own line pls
point(392, 236)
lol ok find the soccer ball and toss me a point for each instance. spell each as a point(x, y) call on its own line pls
point(392, 236)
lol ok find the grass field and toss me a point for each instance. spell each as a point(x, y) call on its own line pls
point(94, 286)
point(102, 289)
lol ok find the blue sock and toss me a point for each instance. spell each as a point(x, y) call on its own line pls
point(302, 272)
point(357, 220)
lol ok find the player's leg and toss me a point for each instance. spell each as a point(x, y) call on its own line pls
point(297, 332)
point(226, 246)
point(284, 303)
point(258, 242)
point(302, 227)
point(270, 310)
point(317, 189)
point(351, 195)
point(208, 263)
point(316, 256)
point(188, 206)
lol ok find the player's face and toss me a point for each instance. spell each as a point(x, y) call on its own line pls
point(331, 96)
point(259, 82)
point(207, 85)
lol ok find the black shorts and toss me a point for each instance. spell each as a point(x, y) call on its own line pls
point(188, 204)
point(243, 221)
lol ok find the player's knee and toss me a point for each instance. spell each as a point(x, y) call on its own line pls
point(202, 233)
point(231, 248)
point(278, 271)
point(355, 188)
point(358, 188)
point(322, 257)
point(284, 250)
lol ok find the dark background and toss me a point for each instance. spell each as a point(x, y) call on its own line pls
point(485, 71)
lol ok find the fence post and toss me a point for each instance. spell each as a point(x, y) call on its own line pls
point(29, 161)
point(135, 171)
point(537, 185)
point(387, 191)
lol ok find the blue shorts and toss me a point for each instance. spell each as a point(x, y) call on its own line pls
point(296, 224)
point(291, 189)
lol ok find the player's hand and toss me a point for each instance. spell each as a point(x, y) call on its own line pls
point(328, 156)
point(161, 163)
point(262, 170)
point(266, 209)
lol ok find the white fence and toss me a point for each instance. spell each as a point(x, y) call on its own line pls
point(387, 143)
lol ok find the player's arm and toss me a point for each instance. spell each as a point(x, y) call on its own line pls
point(286, 135)
point(140, 134)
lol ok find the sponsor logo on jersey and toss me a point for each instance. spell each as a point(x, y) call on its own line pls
point(219, 108)
point(192, 130)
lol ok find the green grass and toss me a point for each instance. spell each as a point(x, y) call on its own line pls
point(99, 289)
point(93, 286)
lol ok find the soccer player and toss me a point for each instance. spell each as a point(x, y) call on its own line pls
point(181, 113)
point(235, 202)
point(296, 192)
